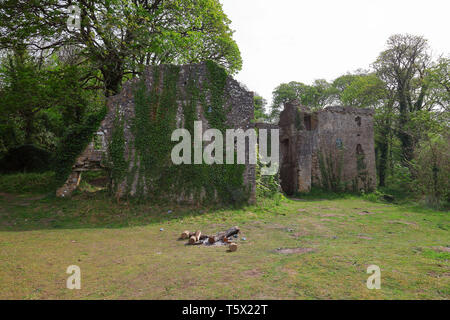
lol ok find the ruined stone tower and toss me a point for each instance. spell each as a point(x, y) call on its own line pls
point(332, 148)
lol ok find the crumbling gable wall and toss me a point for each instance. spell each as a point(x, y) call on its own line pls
point(332, 148)
point(137, 133)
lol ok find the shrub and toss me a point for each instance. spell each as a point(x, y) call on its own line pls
point(25, 158)
point(27, 182)
point(431, 168)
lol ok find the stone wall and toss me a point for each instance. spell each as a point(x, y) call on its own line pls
point(237, 107)
point(332, 148)
point(327, 147)
point(347, 135)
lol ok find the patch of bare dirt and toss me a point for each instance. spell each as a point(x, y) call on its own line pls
point(276, 226)
point(8, 197)
point(99, 182)
point(35, 198)
point(365, 213)
point(252, 273)
point(439, 275)
point(22, 201)
point(319, 228)
point(403, 222)
point(329, 208)
point(441, 249)
point(295, 250)
point(300, 234)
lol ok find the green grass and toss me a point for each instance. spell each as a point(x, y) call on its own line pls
point(123, 254)
point(27, 182)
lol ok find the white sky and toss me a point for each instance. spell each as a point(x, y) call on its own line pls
point(298, 40)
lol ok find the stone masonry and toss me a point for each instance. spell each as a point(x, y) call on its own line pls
point(237, 101)
point(333, 147)
point(336, 141)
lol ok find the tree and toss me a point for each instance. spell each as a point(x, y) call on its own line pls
point(41, 99)
point(260, 104)
point(432, 168)
point(25, 91)
point(439, 84)
point(364, 91)
point(343, 82)
point(119, 37)
point(404, 68)
point(316, 96)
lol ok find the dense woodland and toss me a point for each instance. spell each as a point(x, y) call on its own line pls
point(54, 80)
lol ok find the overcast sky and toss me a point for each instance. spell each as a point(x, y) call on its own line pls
point(298, 40)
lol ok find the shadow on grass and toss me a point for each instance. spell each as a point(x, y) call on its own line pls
point(28, 202)
point(28, 212)
point(321, 195)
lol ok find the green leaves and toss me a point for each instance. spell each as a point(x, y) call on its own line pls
point(315, 96)
point(121, 36)
point(364, 91)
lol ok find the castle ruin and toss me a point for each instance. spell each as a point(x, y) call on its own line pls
point(331, 148)
point(134, 143)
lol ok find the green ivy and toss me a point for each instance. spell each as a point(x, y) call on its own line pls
point(116, 153)
point(74, 142)
point(152, 127)
point(299, 118)
point(331, 168)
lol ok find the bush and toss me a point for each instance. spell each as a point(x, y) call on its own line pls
point(26, 158)
point(74, 142)
point(431, 168)
point(319, 193)
point(400, 182)
point(27, 182)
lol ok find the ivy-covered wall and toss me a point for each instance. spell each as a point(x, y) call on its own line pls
point(140, 122)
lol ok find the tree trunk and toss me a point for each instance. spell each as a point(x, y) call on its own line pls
point(403, 132)
point(383, 149)
point(383, 164)
point(112, 76)
point(29, 128)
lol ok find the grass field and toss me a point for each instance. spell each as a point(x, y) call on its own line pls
point(123, 254)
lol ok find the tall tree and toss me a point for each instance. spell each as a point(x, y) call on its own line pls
point(26, 91)
point(404, 67)
point(41, 99)
point(316, 96)
point(260, 104)
point(119, 37)
point(439, 84)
